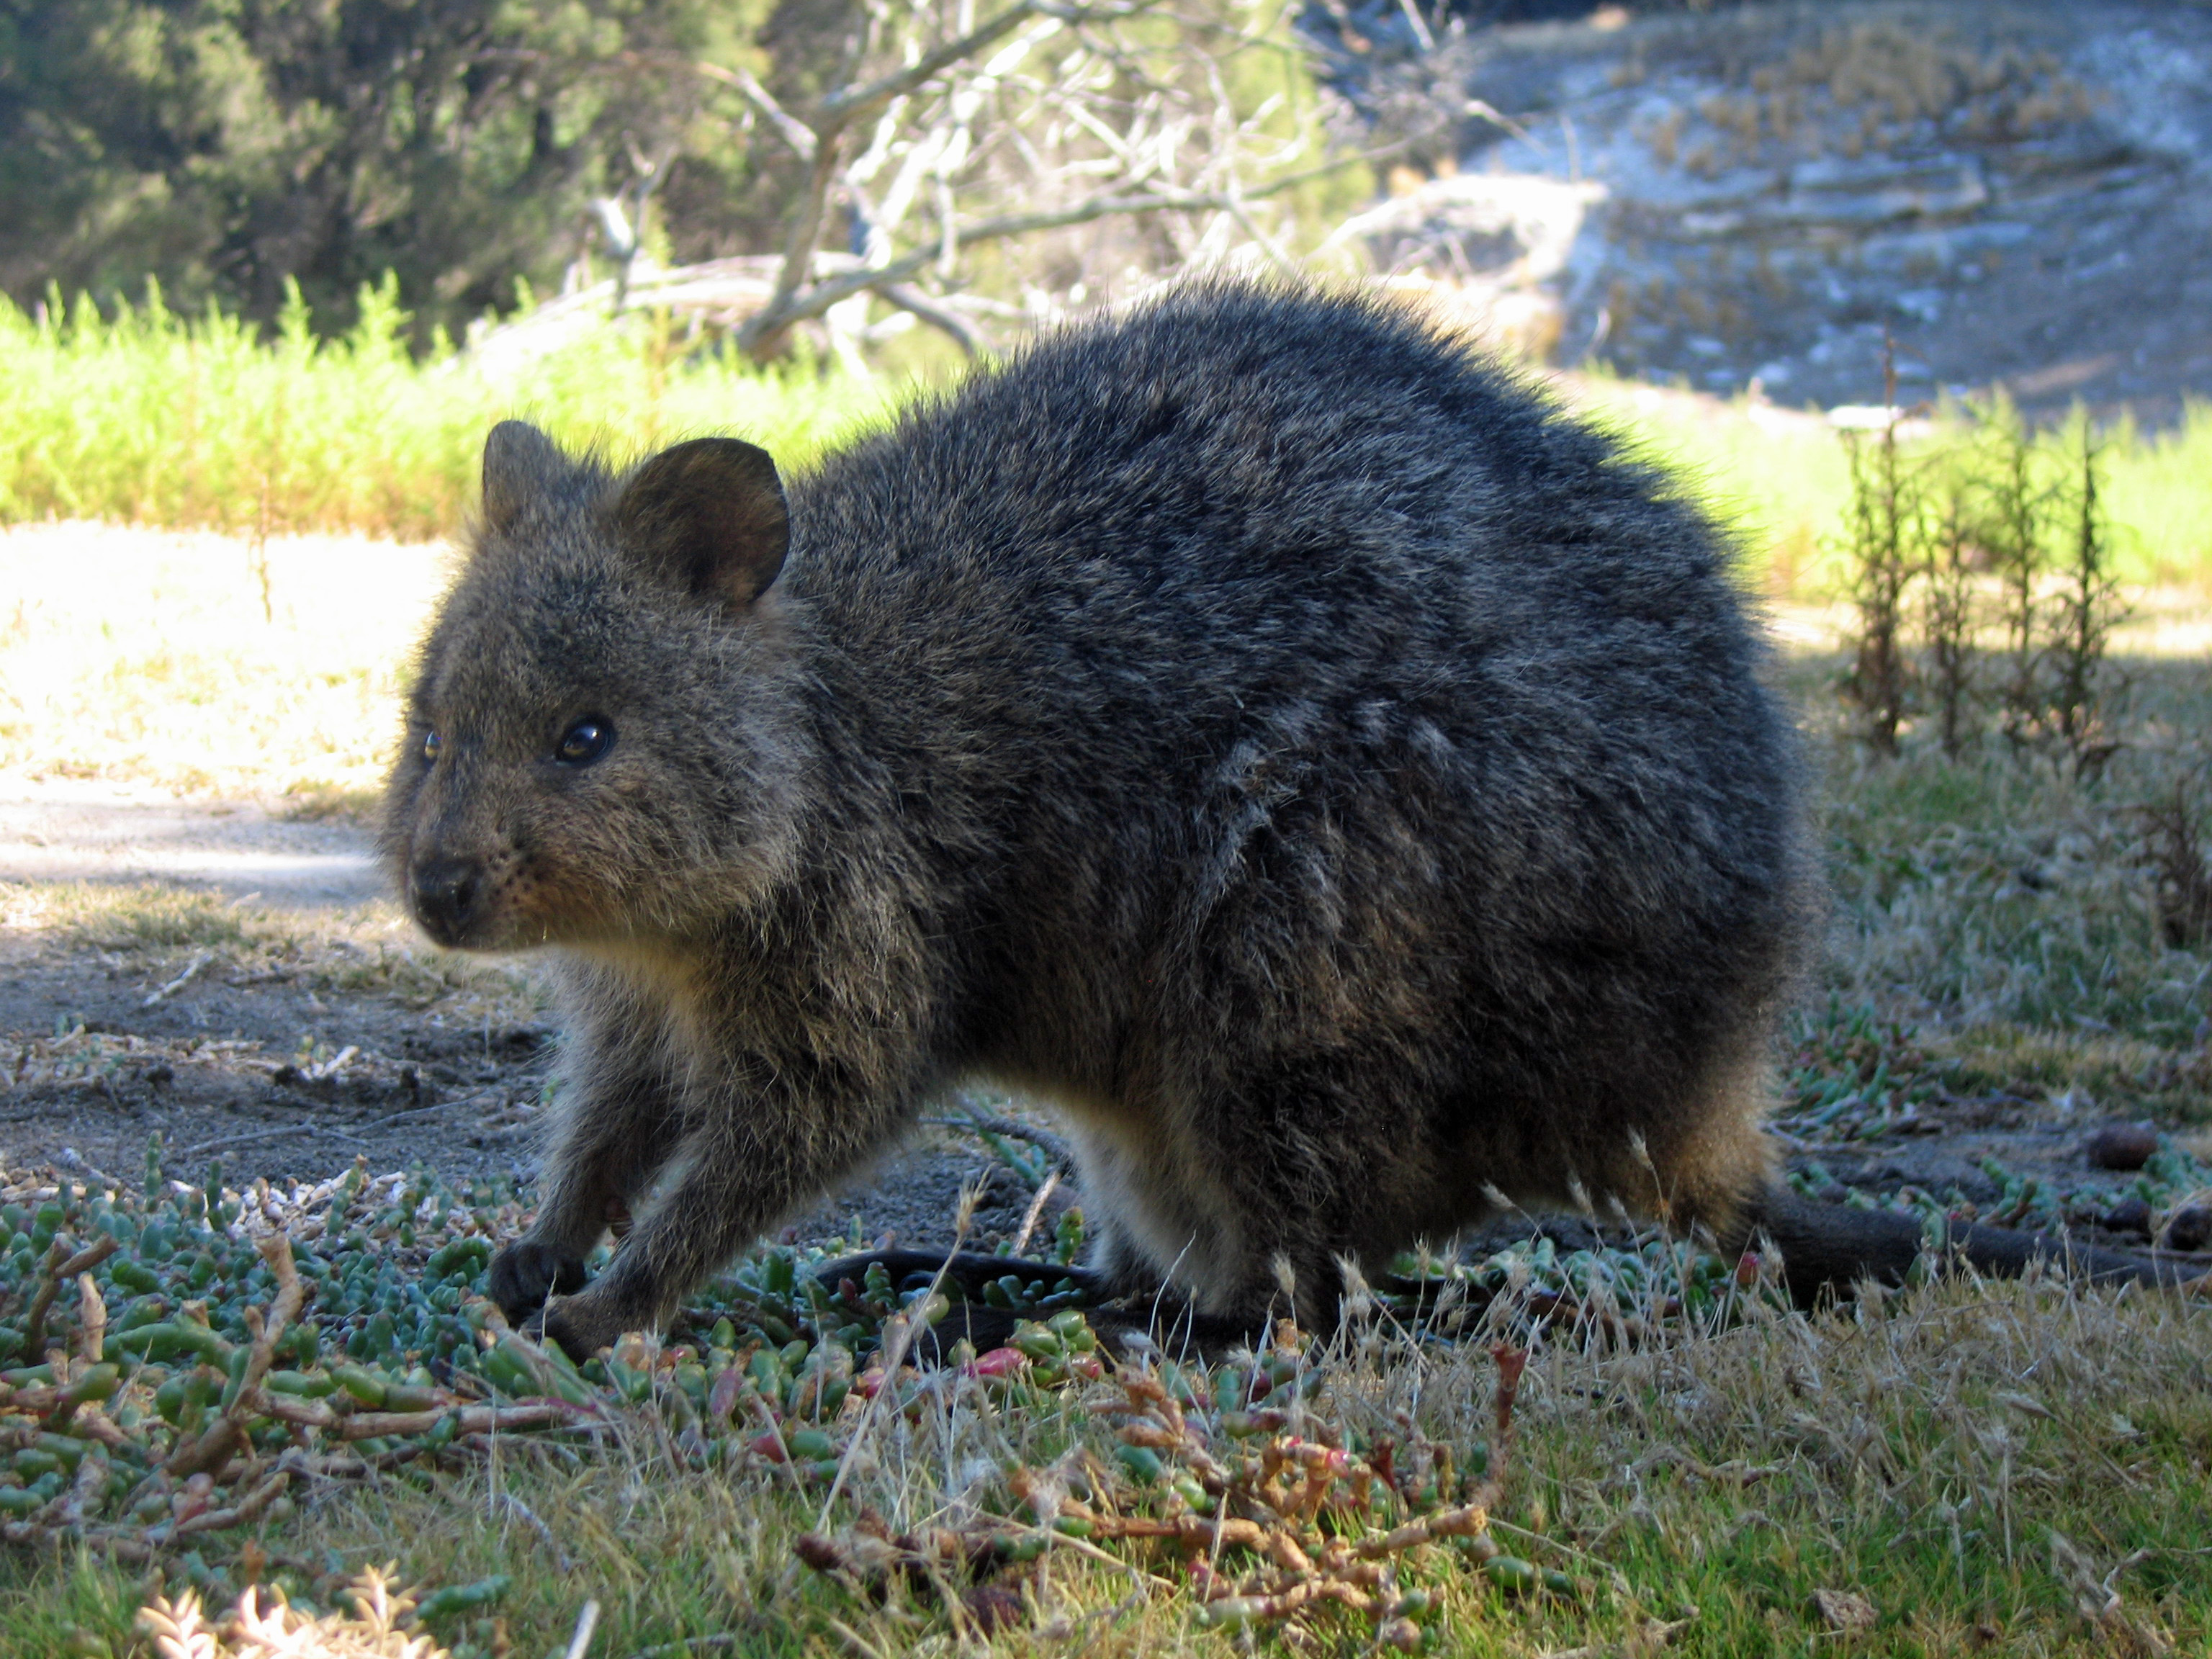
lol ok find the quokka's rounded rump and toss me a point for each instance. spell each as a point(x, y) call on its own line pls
point(1345, 786)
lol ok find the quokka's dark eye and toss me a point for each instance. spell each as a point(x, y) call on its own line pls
point(584, 742)
point(429, 748)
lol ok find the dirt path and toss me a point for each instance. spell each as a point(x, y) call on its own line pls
point(237, 983)
point(61, 829)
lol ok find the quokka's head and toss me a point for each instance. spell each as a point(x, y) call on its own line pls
point(601, 740)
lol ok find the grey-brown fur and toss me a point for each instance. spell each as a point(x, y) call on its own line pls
point(1346, 787)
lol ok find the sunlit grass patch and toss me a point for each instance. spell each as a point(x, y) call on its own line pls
point(1776, 478)
point(152, 658)
point(146, 417)
point(156, 930)
point(1779, 479)
point(312, 801)
point(140, 916)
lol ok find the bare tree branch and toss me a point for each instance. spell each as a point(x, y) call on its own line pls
point(788, 127)
point(795, 307)
point(763, 333)
point(842, 105)
point(951, 323)
point(1116, 125)
point(792, 305)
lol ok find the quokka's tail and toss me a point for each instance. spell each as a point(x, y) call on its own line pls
point(1828, 1248)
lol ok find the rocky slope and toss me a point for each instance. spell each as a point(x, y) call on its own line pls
point(2018, 191)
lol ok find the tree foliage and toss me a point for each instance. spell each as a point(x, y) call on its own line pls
point(225, 145)
point(229, 147)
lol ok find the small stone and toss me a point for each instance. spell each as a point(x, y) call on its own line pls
point(2132, 1214)
point(2189, 1229)
point(1844, 1610)
point(992, 1607)
point(2120, 1146)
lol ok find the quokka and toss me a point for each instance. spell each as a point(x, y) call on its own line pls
point(1349, 788)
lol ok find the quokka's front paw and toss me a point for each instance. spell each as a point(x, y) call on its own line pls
point(527, 1272)
point(584, 1324)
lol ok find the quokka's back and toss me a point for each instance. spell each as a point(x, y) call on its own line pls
point(1348, 789)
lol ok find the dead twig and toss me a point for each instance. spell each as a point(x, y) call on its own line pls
point(1294, 1510)
point(60, 1266)
point(200, 959)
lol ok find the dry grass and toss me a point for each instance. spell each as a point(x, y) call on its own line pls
point(153, 932)
point(147, 656)
point(2017, 1468)
point(2010, 913)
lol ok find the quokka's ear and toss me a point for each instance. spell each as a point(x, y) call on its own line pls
point(521, 464)
point(709, 516)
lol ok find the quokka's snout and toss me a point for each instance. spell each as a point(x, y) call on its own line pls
point(445, 895)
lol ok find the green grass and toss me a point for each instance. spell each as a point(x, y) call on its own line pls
point(2004, 909)
point(1777, 478)
point(2161, 495)
point(1780, 479)
point(147, 417)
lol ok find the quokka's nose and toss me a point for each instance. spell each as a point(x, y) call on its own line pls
point(446, 891)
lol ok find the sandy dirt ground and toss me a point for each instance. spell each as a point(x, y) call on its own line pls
point(292, 1063)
